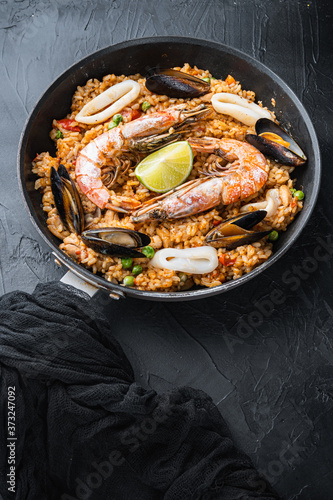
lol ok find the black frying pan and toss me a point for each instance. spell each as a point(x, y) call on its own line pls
point(139, 56)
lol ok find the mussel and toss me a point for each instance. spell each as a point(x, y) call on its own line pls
point(175, 83)
point(67, 199)
point(275, 142)
point(235, 232)
point(116, 241)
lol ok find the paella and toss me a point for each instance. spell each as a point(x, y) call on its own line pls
point(164, 182)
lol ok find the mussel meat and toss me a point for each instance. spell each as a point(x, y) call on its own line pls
point(175, 83)
point(235, 232)
point(67, 199)
point(275, 142)
point(116, 241)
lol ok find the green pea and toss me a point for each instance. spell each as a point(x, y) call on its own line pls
point(59, 135)
point(145, 105)
point(137, 270)
point(115, 121)
point(273, 236)
point(148, 252)
point(207, 79)
point(128, 280)
point(299, 194)
point(293, 191)
point(127, 263)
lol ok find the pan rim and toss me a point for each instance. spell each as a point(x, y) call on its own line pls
point(178, 295)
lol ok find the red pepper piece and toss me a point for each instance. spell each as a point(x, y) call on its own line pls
point(226, 261)
point(67, 124)
point(130, 114)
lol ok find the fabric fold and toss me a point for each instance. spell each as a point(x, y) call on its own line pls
point(86, 430)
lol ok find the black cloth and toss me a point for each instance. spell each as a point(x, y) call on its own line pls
point(86, 430)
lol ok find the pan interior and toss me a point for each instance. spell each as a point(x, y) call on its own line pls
point(140, 56)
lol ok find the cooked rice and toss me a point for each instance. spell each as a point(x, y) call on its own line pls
point(182, 233)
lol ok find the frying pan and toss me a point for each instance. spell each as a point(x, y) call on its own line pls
point(139, 56)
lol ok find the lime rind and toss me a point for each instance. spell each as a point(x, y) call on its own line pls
point(166, 168)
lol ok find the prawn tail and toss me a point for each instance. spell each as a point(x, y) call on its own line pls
point(122, 204)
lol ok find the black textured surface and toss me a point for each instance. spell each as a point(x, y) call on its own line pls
point(168, 446)
point(263, 351)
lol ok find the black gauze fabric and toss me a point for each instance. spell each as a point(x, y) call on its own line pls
point(86, 430)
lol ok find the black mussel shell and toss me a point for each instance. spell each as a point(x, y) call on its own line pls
point(246, 220)
point(235, 232)
point(286, 151)
point(116, 241)
point(67, 199)
point(175, 83)
point(264, 125)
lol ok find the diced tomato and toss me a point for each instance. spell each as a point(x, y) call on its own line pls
point(226, 261)
point(67, 124)
point(216, 222)
point(130, 114)
point(230, 80)
point(135, 114)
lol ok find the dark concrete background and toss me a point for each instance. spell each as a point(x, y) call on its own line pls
point(267, 367)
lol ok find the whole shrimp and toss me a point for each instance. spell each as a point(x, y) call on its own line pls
point(245, 176)
point(131, 135)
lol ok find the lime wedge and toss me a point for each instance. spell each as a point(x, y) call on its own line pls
point(166, 168)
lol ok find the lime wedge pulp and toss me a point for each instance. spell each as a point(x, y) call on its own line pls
point(166, 168)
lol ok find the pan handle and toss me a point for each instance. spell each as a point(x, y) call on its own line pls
point(73, 278)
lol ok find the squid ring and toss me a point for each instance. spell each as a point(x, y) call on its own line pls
point(239, 108)
point(120, 95)
point(199, 260)
point(271, 204)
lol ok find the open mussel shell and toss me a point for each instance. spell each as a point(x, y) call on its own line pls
point(275, 142)
point(235, 232)
point(116, 241)
point(67, 199)
point(175, 83)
